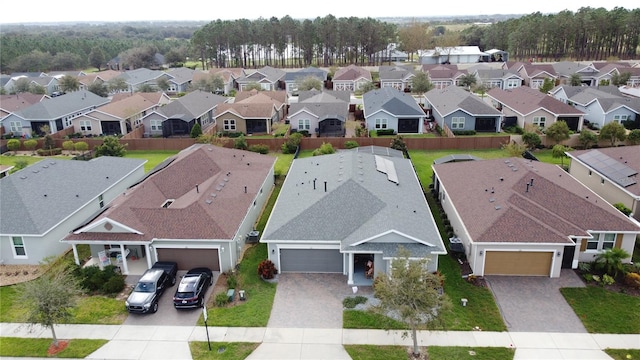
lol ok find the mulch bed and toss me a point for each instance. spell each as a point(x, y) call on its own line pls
point(54, 349)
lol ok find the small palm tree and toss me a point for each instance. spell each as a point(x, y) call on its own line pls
point(610, 261)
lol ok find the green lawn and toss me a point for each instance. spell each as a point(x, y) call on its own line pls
point(222, 350)
point(372, 352)
point(26, 347)
point(153, 157)
point(603, 311)
point(623, 354)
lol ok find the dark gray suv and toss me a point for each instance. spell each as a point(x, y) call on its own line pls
point(144, 297)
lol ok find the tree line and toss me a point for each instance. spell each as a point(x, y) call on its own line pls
point(588, 34)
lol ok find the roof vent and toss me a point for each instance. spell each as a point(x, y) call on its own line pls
point(208, 201)
point(498, 207)
point(492, 200)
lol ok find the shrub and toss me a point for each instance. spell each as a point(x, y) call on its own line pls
point(623, 209)
point(13, 145)
point(324, 149)
point(464, 132)
point(634, 137)
point(240, 142)
point(351, 302)
point(232, 281)
point(291, 145)
point(49, 152)
point(632, 280)
point(383, 132)
point(221, 299)
point(114, 285)
point(351, 144)
point(608, 280)
point(584, 267)
point(30, 144)
point(259, 148)
point(67, 145)
point(531, 139)
point(266, 269)
point(196, 130)
point(588, 277)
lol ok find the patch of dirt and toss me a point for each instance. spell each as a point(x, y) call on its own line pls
point(221, 287)
point(619, 286)
point(422, 356)
point(16, 274)
point(465, 270)
point(54, 349)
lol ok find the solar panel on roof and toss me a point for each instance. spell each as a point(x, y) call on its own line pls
point(386, 166)
point(609, 167)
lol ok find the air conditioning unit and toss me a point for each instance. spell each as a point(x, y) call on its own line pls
point(253, 237)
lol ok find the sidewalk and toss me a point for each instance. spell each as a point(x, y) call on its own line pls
point(172, 342)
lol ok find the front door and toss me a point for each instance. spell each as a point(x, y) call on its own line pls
point(567, 257)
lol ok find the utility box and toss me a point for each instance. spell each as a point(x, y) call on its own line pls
point(253, 237)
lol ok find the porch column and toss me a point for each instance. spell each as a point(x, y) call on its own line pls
point(350, 269)
point(125, 268)
point(75, 254)
point(147, 250)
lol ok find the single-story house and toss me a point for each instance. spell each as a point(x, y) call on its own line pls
point(45, 201)
point(196, 208)
point(336, 212)
point(351, 78)
point(397, 77)
point(292, 79)
point(534, 75)
point(526, 218)
point(611, 172)
point(388, 108)
point(524, 105)
point(252, 112)
point(588, 73)
point(461, 110)
point(323, 113)
point(267, 77)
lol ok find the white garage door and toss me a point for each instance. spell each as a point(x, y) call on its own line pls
point(310, 260)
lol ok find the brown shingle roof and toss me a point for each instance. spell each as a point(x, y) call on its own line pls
point(189, 181)
point(11, 103)
point(526, 100)
point(495, 206)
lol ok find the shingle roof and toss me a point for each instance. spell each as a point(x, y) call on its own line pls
point(141, 75)
point(127, 107)
point(191, 106)
point(37, 198)
point(392, 101)
point(12, 103)
point(526, 100)
point(359, 203)
point(492, 200)
point(351, 73)
point(323, 105)
point(60, 106)
point(452, 98)
point(307, 72)
point(207, 185)
point(626, 155)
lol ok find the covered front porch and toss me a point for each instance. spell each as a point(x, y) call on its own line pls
point(132, 259)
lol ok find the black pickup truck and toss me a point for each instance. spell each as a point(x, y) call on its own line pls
point(170, 267)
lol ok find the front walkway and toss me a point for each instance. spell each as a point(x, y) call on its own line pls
point(532, 303)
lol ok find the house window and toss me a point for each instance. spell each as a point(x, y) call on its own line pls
point(381, 123)
point(85, 125)
point(513, 83)
point(156, 125)
point(457, 123)
point(602, 181)
point(620, 118)
point(229, 124)
point(101, 201)
point(18, 247)
point(303, 124)
point(16, 126)
point(539, 121)
point(601, 241)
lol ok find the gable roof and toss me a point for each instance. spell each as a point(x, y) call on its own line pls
point(141, 75)
point(307, 72)
point(207, 186)
point(392, 101)
point(29, 195)
point(526, 100)
point(492, 200)
point(192, 105)
point(567, 68)
point(60, 106)
point(12, 103)
point(503, 74)
point(127, 107)
point(360, 203)
point(609, 97)
point(323, 105)
point(389, 73)
point(452, 98)
point(277, 98)
point(352, 73)
point(181, 75)
point(621, 157)
point(104, 75)
point(338, 94)
point(265, 74)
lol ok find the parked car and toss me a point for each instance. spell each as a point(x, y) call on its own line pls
point(144, 297)
point(193, 288)
point(170, 267)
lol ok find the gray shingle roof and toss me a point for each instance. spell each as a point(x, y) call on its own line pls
point(307, 72)
point(192, 105)
point(35, 199)
point(452, 98)
point(392, 101)
point(60, 106)
point(360, 203)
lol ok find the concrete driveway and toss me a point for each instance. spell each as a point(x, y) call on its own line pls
point(535, 304)
point(167, 314)
point(311, 300)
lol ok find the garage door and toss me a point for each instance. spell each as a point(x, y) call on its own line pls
point(518, 263)
point(191, 258)
point(307, 260)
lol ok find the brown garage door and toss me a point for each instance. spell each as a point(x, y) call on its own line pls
point(518, 263)
point(191, 258)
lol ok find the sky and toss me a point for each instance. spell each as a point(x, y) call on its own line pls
point(15, 11)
